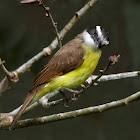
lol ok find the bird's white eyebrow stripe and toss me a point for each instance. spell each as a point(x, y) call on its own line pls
point(99, 31)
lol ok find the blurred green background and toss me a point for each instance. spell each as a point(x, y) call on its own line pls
point(25, 31)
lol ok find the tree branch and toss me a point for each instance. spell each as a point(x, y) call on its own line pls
point(8, 79)
point(89, 80)
point(114, 76)
point(72, 114)
point(48, 50)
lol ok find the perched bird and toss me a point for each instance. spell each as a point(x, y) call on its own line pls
point(69, 67)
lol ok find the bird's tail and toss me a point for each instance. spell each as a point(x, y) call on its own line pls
point(27, 101)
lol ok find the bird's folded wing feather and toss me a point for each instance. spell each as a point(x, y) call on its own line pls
point(68, 58)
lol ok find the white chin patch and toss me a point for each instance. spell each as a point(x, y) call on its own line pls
point(87, 38)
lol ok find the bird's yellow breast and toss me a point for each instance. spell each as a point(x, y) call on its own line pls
point(80, 75)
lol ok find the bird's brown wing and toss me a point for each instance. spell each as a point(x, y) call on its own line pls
point(68, 58)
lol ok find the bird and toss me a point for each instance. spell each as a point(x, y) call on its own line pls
point(69, 67)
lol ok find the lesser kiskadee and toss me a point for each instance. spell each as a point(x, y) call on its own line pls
point(69, 67)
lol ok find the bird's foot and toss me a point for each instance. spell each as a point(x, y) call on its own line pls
point(64, 99)
point(75, 97)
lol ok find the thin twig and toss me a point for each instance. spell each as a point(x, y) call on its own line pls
point(48, 14)
point(4, 69)
point(71, 114)
point(8, 79)
point(114, 76)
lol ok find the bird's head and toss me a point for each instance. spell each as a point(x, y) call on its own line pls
point(96, 37)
